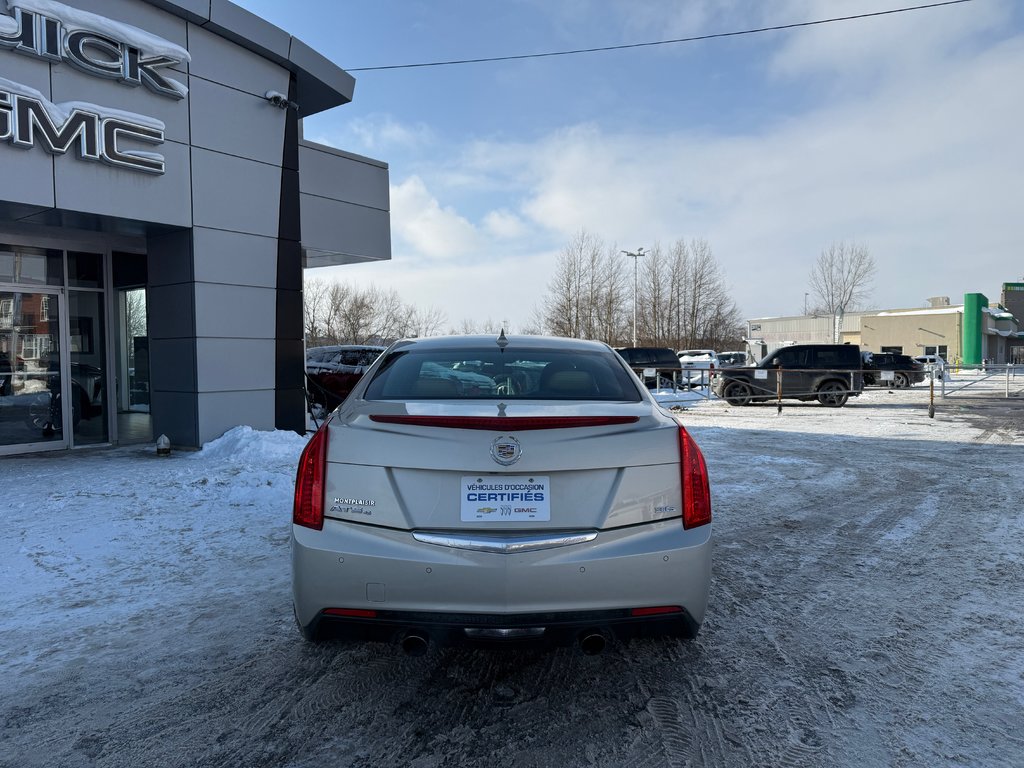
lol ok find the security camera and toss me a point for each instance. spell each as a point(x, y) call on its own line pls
point(279, 100)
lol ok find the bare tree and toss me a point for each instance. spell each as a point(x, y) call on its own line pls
point(562, 306)
point(841, 278)
point(425, 322)
point(315, 299)
point(338, 313)
point(587, 294)
point(135, 313)
point(684, 299)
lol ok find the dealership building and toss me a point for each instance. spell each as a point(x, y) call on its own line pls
point(159, 206)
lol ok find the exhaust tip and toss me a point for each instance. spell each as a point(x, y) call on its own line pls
point(592, 643)
point(415, 644)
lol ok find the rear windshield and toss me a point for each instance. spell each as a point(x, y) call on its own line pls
point(536, 374)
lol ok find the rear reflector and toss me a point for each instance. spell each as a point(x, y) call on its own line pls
point(506, 423)
point(308, 508)
point(358, 613)
point(694, 478)
point(656, 610)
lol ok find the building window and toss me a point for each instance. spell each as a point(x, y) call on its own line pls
point(895, 350)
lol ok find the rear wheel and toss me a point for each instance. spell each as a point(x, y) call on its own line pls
point(737, 393)
point(833, 394)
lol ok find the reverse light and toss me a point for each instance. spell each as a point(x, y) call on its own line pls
point(308, 508)
point(694, 479)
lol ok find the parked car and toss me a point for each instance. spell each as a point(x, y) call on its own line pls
point(828, 373)
point(559, 504)
point(932, 363)
point(662, 360)
point(332, 371)
point(44, 410)
point(697, 366)
point(732, 358)
point(891, 369)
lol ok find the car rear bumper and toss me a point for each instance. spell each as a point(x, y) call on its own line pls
point(443, 590)
point(454, 629)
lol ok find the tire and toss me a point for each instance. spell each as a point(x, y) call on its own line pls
point(900, 381)
point(43, 413)
point(833, 394)
point(737, 393)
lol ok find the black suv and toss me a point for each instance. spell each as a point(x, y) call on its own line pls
point(662, 359)
point(828, 373)
point(906, 371)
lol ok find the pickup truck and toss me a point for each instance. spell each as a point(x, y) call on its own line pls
point(828, 373)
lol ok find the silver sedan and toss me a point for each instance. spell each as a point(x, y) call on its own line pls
point(481, 489)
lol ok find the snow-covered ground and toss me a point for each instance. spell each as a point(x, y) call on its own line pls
point(867, 609)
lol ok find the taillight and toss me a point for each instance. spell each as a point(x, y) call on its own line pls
point(694, 478)
point(308, 509)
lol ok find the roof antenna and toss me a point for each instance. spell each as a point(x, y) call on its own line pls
point(502, 341)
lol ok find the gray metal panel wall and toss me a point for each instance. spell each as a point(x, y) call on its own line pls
point(34, 171)
point(344, 208)
point(141, 15)
point(221, 61)
point(235, 258)
point(108, 191)
point(71, 85)
point(220, 411)
point(32, 167)
point(236, 123)
point(335, 226)
point(235, 194)
point(342, 176)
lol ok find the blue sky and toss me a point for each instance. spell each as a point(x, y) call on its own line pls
point(902, 133)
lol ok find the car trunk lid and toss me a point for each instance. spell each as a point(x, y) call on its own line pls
point(459, 466)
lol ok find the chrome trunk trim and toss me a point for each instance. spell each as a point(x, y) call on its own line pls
point(508, 545)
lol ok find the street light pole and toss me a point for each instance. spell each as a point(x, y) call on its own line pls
point(635, 256)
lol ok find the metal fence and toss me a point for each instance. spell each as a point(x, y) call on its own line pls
point(687, 384)
point(986, 381)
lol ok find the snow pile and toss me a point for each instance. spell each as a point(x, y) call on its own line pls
point(245, 445)
point(680, 398)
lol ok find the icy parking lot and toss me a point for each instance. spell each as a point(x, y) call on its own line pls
point(867, 608)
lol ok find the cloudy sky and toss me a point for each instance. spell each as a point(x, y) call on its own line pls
point(901, 132)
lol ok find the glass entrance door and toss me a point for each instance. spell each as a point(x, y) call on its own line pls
point(32, 381)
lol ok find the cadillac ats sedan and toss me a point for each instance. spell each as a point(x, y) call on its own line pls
point(481, 489)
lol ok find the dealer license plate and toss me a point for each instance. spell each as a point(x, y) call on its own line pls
point(520, 498)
